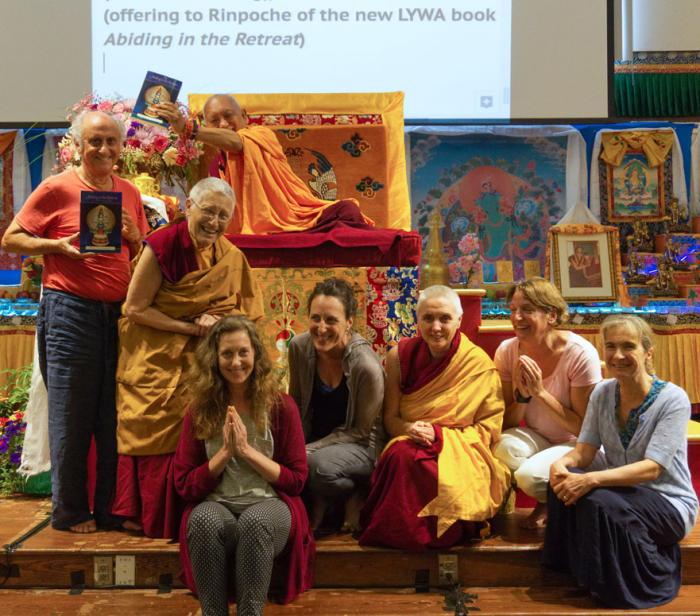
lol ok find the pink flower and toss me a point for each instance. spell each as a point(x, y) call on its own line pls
point(180, 160)
point(118, 108)
point(105, 106)
point(66, 155)
point(144, 134)
point(133, 143)
point(160, 143)
point(192, 150)
point(469, 243)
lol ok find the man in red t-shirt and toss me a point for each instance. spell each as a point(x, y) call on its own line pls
point(76, 326)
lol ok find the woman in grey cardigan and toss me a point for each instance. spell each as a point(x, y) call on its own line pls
point(338, 383)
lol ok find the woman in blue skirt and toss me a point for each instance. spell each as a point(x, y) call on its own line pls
point(617, 530)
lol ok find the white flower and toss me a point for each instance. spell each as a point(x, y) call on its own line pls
point(170, 156)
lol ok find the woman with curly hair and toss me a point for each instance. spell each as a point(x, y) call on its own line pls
point(241, 464)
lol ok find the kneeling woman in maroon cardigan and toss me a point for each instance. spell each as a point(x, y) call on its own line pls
point(240, 465)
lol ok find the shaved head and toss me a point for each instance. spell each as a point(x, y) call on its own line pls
point(223, 111)
point(226, 99)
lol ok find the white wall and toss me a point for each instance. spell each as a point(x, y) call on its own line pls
point(559, 65)
point(666, 25)
point(44, 58)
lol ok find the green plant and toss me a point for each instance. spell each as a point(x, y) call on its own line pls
point(15, 393)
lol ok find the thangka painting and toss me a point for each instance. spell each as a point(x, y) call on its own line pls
point(505, 192)
point(337, 161)
point(635, 193)
point(635, 190)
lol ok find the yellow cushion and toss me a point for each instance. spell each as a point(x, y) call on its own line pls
point(693, 431)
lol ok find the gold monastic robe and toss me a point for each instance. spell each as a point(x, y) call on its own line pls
point(466, 400)
point(270, 197)
point(151, 392)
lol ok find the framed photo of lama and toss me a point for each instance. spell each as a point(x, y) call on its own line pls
point(585, 263)
point(635, 190)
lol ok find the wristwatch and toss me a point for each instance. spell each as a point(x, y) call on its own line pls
point(520, 398)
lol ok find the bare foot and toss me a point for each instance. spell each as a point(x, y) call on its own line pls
point(537, 519)
point(132, 526)
point(352, 513)
point(89, 526)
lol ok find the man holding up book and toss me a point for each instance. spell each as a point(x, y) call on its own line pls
point(270, 197)
point(76, 326)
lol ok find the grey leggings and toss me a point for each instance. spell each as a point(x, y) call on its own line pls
point(224, 546)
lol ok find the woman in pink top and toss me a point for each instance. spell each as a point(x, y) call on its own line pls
point(547, 376)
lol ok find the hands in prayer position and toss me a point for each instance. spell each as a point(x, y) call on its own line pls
point(235, 434)
point(528, 377)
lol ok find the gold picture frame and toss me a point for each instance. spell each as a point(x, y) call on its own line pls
point(585, 262)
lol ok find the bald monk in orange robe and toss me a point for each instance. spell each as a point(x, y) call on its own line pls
point(270, 197)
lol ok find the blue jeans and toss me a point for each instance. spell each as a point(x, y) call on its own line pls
point(77, 344)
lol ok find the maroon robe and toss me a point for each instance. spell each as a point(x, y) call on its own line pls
point(406, 476)
point(293, 570)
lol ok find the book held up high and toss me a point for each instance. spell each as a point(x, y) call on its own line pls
point(100, 222)
point(156, 89)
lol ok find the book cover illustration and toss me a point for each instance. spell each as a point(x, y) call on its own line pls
point(100, 222)
point(156, 89)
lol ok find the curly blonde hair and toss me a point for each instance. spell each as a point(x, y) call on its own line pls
point(209, 390)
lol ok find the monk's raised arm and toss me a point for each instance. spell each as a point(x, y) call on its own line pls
point(225, 139)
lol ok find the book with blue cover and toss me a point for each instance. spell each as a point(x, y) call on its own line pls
point(100, 222)
point(156, 89)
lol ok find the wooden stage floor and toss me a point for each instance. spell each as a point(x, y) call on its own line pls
point(503, 571)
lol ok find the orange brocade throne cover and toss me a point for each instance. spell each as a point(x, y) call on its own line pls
point(337, 147)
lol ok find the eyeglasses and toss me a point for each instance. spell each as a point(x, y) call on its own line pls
point(210, 214)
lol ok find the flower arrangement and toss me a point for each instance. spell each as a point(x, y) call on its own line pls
point(12, 428)
point(465, 270)
point(150, 149)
